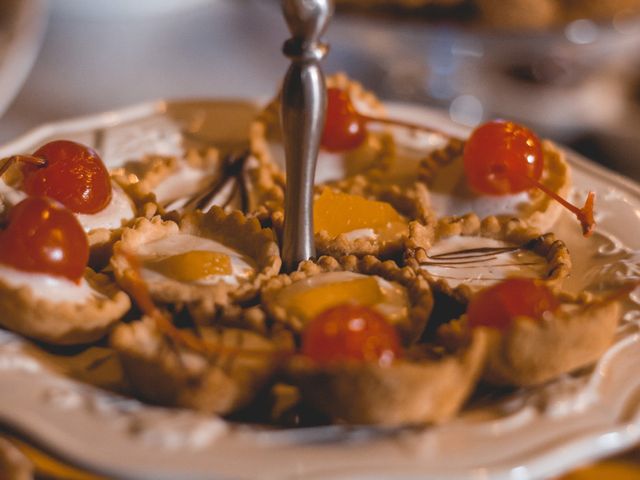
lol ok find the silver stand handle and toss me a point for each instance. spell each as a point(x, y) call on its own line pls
point(303, 115)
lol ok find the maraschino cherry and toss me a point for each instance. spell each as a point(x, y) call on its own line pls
point(351, 332)
point(502, 158)
point(345, 128)
point(44, 237)
point(499, 305)
point(68, 172)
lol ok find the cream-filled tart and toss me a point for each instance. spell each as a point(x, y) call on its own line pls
point(57, 310)
point(398, 294)
point(443, 171)
point(376, 151)
point(176, 183)
point(225, 375)
point(208, 259)
point(467, 255)
point(421, 387)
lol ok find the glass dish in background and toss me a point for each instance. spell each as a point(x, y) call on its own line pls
point(568, 81)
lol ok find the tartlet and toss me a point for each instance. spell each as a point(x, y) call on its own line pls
point(241, 256)
point(376, 152)
point(531, 352)
point(236, 366)
point(358, 216)
point(419, 388)
point(172, 183)
point(403, 297)
point(467, 254)
point(59, 311)
point(443, 171)
point(102, 228)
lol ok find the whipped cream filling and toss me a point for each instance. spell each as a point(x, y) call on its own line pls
point(242, 268)
point(119, 211)
point(181, 184)
point(481, 262)
point(50, 287)
point(451, 196)
point(331, 166)
point(361, 233)
point(10, 195)
point(178, 188)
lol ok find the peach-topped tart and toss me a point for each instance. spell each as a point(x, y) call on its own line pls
point(399, 294)
point(533, 335)
point(207, 259)
point(74, 175)
point(371, 149)
point(352, 367)
point(360, 217)
point(46, 290)
point(467, 255)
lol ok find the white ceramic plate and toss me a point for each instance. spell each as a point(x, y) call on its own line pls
point(532, 434)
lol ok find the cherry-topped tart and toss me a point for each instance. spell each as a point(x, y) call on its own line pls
point(74, 175)
point(534, 336)
point(46, 290)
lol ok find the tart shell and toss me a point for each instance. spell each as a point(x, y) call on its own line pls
point(63, 323)
point(232, 229)
point(533, 352)
point(166, 373)
point(511, 231)
point(406, 392)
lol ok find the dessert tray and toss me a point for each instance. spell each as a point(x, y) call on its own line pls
point(56, 401)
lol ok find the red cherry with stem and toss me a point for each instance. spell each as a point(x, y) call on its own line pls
point(502, 157)
point(44, 237)
point(343, 128)
point(68, 172)
point(346, 129)
point(499, 305)
point(351, 332)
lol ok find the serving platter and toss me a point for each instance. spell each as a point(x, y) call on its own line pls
point(66, 401)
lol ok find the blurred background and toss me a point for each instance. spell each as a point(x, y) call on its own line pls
point(568, 68)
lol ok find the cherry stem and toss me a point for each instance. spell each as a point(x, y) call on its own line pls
point(584, 214)
point(30, 159)
point(402, 123)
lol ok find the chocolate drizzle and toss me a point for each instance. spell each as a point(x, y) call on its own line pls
point(478, 257)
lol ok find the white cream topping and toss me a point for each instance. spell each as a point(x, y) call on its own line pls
point(481, 262)
point(182, 183)
point(119, 211)
point(331, 166)
point(361, 233)
point(52, 288)
point(11, 196)
point(241, 266)
point(450, 195)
